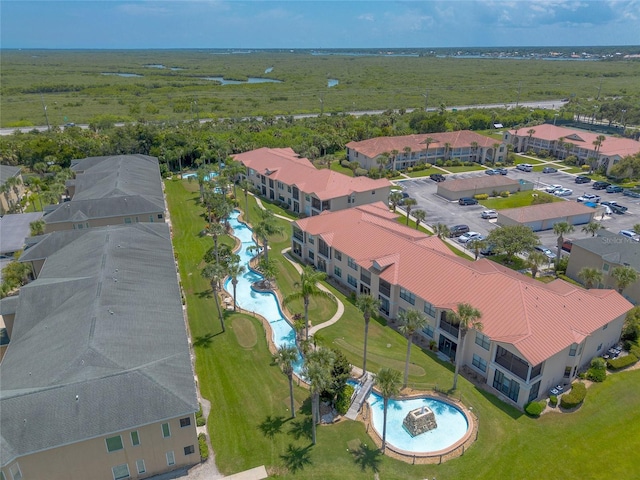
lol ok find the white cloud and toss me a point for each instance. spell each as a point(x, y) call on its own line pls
point(146, 8)
point(367, 17)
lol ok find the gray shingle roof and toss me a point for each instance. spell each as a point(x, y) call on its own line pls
point(14, 229)
point(7, 171)
point(613, 248)
point(104, 316)
point(113, 186)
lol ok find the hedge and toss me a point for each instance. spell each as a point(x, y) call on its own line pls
point(534, 409)
point(481, 196)
point(596, 374)
point(622, 362)
point(575, 397)
point(344, 399)
point(553, 400)
point(204, 448)
point(505, 194)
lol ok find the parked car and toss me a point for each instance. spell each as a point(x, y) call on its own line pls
point(614, 189)
point(492, 172)
point(589, 197)
point(489, 214)
point(489, 250)
point(468, 201)
point(630, 234)
point(550, 255)
point(467, 237)
point(552, 188)
point(615, 207)
point(525, 167)
point(567, 244)
point(563, 192)
point(600, 185)
point(549, 170)
point(437, 177)
point(458, 230)
point(631, 193)
point(582, 179)
point(502, 171)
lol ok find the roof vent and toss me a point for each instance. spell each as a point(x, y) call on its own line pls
point(77, 398)
point(111, 312)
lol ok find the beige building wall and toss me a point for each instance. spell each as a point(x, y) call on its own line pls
point(91, 460)
point(106, 221)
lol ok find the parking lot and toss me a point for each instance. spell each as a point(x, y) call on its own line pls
point(439, 210)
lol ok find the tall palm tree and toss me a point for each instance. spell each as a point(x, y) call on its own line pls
point(530, 132)
point(394, 155)
point(466, 318)
point(215, 229)
point(394, 198)
point(234, 270)
point(266, 227)
point(474, 150)
point(636, 228)
point(407, 154)
point(441, 231)
point(317, 370)
point(411, 321)
point(597, 143)
point(368, 305)
point(388, 381)
point(495, 146)
point(590, 276)
point(535, 260)
point(408, 203)
point(246, 186)
point(476, 245)
point(285, 357)
point(382, 160)
point(592, 228)
point(214, 273)
point(419, 215)
point(447, 150)
point(307, 288)
point(427, 141)
point(560, 229)
point(624, 276)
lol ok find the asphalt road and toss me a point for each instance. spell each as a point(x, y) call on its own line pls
point(440, 210)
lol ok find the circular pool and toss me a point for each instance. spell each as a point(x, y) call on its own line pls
point(452, 428)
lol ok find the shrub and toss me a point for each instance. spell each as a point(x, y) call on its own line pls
point(505, 194)
point(345, 163)
point(596, 374)
point(456, 163)
point(553, 400)
point(360, 172)
point(201, 421)
point(410, 169)
point(575, 397)
point(439, 163)
point(585, 168)
point(622, 362)
point(204, 448)
point(481, 196)
point(598, 363)
point(635, 350)
point(494, 193)
point(344, 399)
point(534, 409)
point(199, 412)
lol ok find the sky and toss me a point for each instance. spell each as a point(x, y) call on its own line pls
point(310, 24)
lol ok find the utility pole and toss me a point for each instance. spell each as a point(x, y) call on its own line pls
point(518, 97)
point(599, 88)
point(46, 115)
point(321, 105)
point(426, 100)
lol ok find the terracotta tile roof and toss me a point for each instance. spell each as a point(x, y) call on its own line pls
point(286, 166)
point(538, 319)
point(534, 213)
point(485, 181)
point(461, 138)
point(610, 146)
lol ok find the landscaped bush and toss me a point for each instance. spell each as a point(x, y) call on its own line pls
point(201, 421)
point(344, 399)
point(495, 193)
point(360, 172)
point(534, 409)
point(505, 194)
point(439, 162)
point(553, 401)
point(481, 196)
point(575, 397)
point(345, 163)
point(622, 362)
point(635, 350)
point(204, 448)
point(585, 168)
point(596, 374)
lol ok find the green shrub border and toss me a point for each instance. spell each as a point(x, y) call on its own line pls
point(575, 397)
point(622, 362)
point(534, 409)
point(204, 448)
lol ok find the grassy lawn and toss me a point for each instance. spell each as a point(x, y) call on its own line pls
point(515, 200)
point(526, 159)
point(249, 423)
point(462, 169)
point(423, 173)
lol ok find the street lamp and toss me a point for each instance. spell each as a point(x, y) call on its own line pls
point(555, 117)
point(622, 119)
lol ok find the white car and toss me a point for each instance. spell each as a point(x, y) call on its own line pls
point(489, 214)
point(552, 188)
point(563, 192)
point(589, 197)
point(467, 237)
point(630, 234)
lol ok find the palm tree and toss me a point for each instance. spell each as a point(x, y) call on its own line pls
point(317, 369)
point(388, 381)
point(411, 321)
point(408, 203)
point(590, 276)
point(495, 146)
point(382, 160)
point(215, 229)
point(407, 154)
point(530, 132)
point(592, 228)
point(467, 317)
point(246, 186)
point(427, 141)
point(560, 229)
point(535, 260)
point(624, 276)
point(447, 150)
point(636, 228)
point(597, 143)
point(307, 288)
point(419, 215)
point(36, 228)
point(394, 198)
point(474, 149)
point(285, 357)
point(214, 273)
point(368, 305)
point(441, 231)
point(394, 154)
point(476, 245)
point(202, 175)
point(234, 270)
point(266, 227)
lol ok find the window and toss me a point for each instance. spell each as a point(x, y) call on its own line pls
point(510, 388)
point(127, 220)
point(567, 372)
point(407, 296)
point(599, 348)
point(352, 263)
point(310, 239)
point(352, 281)
point(135, 438)
point(189, 450)
point(171, 458)
point(140, 466)
point(428, 331)
point(573, 350)
point(533, 394)
point(159, 216)
point(185, 422)
point(120, 471)
point(479, 362)
point(337, 255)
point(16, 473)
point(482, 340)
point(114, 443)
point(166, 431)
point(337, 271)
point(312, 255)
point(429, 309)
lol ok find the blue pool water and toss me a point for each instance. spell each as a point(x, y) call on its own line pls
point(207, 177)
point(452, 423)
